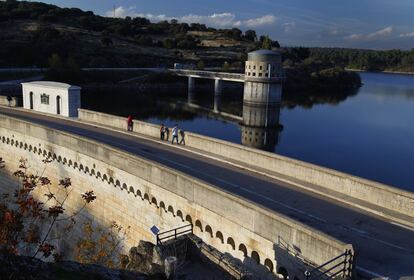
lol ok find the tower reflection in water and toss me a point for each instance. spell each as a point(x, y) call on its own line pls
point(260, 127)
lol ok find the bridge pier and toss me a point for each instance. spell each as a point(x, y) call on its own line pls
point(191, 84)
point(191, 90)
point(217, 94)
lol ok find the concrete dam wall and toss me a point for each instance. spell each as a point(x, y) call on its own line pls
point(140, 193)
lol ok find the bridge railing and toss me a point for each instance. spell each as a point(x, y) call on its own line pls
point(209, 74)
point(174, 233)
point(339, 267)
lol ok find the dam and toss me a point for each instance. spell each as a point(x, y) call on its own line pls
point(277, 215)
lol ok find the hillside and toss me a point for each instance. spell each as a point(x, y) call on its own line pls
point(31, 32)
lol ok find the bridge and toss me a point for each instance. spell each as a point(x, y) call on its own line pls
point(212, 75)
point(278, 213)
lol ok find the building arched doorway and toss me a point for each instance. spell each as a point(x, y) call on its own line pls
point(31, 100)
point(58, 104)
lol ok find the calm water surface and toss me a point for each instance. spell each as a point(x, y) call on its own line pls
point(370, 134)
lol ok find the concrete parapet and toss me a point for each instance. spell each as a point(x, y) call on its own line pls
point(365, 194)
point(14, 101)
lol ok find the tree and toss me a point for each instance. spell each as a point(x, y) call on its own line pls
point(200, 65)
point(101, 246)
point(226, 66)
point(23, 215)
point(106, 41)
point(266, 43)
point(275, 44)
point(250, 35)
point(169, 43)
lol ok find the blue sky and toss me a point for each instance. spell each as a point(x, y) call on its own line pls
point(377, 24)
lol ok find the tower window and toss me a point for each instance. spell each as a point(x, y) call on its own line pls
point(260, 74)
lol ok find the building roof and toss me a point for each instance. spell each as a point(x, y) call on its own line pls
point(264, 52)
point(51, 85)
point(263, 55)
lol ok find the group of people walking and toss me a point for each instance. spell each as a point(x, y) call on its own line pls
point(164, 132)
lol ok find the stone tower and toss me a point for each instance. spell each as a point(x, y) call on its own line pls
point(261, 99)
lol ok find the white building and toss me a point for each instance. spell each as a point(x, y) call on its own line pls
point(52, 97)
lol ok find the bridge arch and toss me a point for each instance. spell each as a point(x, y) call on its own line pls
point(146, 197)
point(230, 242)
point(111, 181)
point(171, 209)
point(283, 271)
point(209, 231)
point(243, 249)
point(139, 194)
point(269, 264)
point(154, 201)
point(219, 235)
point(199, 225)
point(131, 190)
point(180, 214)
point(189, 219)
point(162, 206)
point(255, 257)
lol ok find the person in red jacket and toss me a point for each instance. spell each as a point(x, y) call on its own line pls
point(130, 123)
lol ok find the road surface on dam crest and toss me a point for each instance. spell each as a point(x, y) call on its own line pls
point(382, 248)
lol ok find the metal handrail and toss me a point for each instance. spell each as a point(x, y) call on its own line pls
point(174, 233)
point(321, 270)
point(210, 74)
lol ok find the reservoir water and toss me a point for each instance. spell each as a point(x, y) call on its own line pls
point(369, 134)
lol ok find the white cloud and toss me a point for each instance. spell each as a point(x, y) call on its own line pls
point(219, 20)
point(289, 26)
point(380, 33)
point(406, 35)
point(120, 12)
point(261, 21)
point(355, 37)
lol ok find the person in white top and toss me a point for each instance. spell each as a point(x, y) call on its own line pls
point(175, 134)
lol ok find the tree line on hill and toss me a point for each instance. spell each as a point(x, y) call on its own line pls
point(370, 60)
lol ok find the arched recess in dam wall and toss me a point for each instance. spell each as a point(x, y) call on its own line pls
point(138, 193)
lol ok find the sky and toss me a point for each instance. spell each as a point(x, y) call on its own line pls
point(372, 24)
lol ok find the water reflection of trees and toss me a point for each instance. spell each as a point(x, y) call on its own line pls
point(307, 99)
point(164, 104)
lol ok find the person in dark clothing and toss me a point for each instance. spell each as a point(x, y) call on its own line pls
point(162, 132)
point(9, 99)
point(167, 133)
point(182, 134)
point(130, 123)
point(174, 134)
